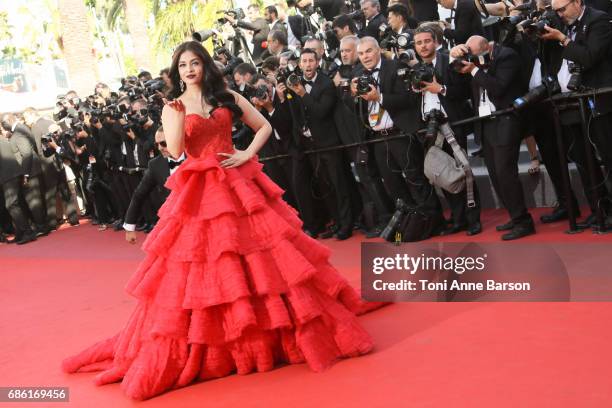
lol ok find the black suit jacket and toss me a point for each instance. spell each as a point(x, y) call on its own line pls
point(329, 8)
point(373, 27)
point(39, 129)
point(467, 23)
point(317, 112)
point(403, 105)
point(9, 166)
point(502, 81)
point(22, 141)
point(425, 10)
point(297, 26)
point(281, 122)
point(602, 5)
point(455, 102)
point(154, 177)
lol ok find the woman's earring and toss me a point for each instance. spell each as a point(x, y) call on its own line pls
point(182, 84)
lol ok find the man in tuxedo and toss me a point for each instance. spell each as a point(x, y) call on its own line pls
point(50, 173)
point(495, 85)
point(277, 44)
point(329, 8)
point(377, 207)
point(586, 43)
point(448, 93)
point(344, 26)
point(24, 145)
point(11, 178)
point(317, 96)
point(465, 20)
point(271, 17)
point(400, 20)
point(374, 18)
point(258, 25)
point(158, 171)
point(390, 109)
point(278, 114)
point(294, 24)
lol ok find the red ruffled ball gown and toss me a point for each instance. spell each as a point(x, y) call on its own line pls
point(230, 283)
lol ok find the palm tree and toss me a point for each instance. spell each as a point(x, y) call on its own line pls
point(136, 16)
point(76, 41)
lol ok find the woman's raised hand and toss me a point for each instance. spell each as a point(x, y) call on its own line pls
point(176, 104)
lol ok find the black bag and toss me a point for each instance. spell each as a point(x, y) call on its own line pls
point(411, 224)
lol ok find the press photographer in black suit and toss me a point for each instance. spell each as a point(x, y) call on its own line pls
point(279, 116)
point(374, 18)
point(24, 145)
point(495, 85)
point(377, 206)
point(448, 93)
point(11, 178)
point(154, 179)
point(586, 44)
point(390, 109)
point(466, 20)
point(259, 27)
point(317, 97)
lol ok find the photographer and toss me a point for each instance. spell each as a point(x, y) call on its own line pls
point(494, 87)
point(267, 100)
point(60, 146)
point(277, 44)
point(399, 19)
point(374, 18)
point(447, 94)
point(344, 26)
point(258, 25)
point(329, 8)
point(583, 62)
point(317, 98)
point(389, 108)
point(465, 21)
point(376, 204)
point(24, 146)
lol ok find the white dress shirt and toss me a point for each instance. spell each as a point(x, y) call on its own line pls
point(430, 101)
point(374, 107)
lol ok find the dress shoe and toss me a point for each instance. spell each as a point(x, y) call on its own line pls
point(27, 238)
point(328, 233)
point(558, 214)
point(505, 227)
point(374, 232)
point(343, 234)
point(519, 231)
point(588, 222)
point(43, 231)
point(474, 229)
point(453, 229)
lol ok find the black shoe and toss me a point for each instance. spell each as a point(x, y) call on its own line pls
point(588, 222)
point(474, 229)
point(42, 232)
point(558, 214)
point(453, 229)
point(328, 233)
point(343, 234)
point(118, 225)
point(27, 238)
point(519, 231)
point(148, 228)
point(505, 227)
point(374, 232)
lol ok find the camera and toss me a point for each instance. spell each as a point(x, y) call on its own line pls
point(536, 22)
point(575, 80)
point(392, 41)
point(434, 119)
point(419, 73)
point(549, 86)
point(481, 61)
point(237, 14)
point(401, 209)
point(363, 84)
point(293, 79)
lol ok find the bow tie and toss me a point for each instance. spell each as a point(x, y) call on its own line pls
point(371, 72)
point(307, 82)
point(172, 164)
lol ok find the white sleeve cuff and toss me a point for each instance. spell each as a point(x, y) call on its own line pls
point(129, 227)
point(474, 71)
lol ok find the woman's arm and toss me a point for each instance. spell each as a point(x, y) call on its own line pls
point(173, 121)
point(253, 119)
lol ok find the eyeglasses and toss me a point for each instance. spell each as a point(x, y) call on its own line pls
point(162, 144)
point(562, 10)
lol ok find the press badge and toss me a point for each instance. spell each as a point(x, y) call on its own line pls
point(92, 159)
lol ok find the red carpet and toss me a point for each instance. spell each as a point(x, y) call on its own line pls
point(65, 291)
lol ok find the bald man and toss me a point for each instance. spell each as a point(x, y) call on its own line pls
point(496, 83)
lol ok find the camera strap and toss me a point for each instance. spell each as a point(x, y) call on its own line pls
point(446, 132)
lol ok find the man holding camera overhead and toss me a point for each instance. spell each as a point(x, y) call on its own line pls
point(389, 108)
point(583, 61)
point(495, 72)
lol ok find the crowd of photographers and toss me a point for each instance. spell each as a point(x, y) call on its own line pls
point(383, 81)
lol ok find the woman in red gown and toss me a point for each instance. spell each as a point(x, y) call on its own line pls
point(230, 283)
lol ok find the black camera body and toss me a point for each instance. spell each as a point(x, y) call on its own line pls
point(481, 61)
point(575, 80)
point(419, 73)
point(434, 119)
point(392, 41)
point(363, 84)
point(549, 86)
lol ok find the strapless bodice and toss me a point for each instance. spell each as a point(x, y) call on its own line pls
point(212, 135)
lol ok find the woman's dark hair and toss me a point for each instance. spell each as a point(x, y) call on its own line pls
point(214, 89)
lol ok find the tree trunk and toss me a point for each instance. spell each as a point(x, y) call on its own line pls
point(78, 46)
point(135, 16)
